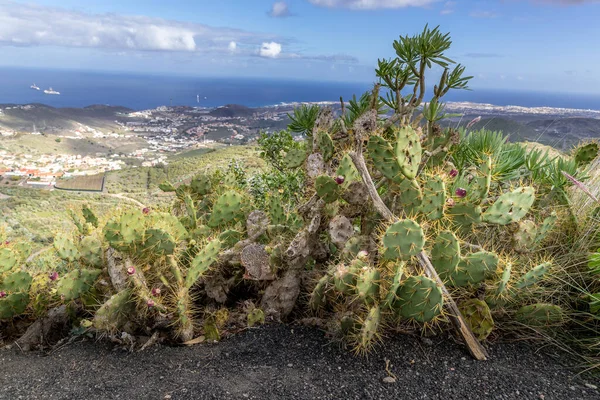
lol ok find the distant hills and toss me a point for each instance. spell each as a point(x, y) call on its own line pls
point(232, 111)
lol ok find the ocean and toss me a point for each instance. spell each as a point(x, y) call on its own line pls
point(80, 89)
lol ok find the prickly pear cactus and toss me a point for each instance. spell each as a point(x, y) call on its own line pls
point(586, 153)
point(76, 283)
point(384, 158)
point(327, 188)
point(541, 314)
point(66, 249)
point(510, 207)
point(478, 316)
point(228, 208)
point(91, 251)
point(294, 158)
point(403, 240)
point(325, 145)
point(420, 299)
point(533, 276)
point(408, 151)
point(8, 260)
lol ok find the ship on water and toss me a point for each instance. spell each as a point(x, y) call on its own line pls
point(51, 91)
point(34, 87)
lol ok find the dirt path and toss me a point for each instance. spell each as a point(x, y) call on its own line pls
point(123, 197)
point(283, 362)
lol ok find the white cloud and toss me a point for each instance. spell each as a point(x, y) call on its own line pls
point(483, 14)
point(232, 46)
point(31, 25)
point(279, 9)
point(371, 4)
point(270, 50)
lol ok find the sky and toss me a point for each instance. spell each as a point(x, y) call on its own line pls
point(533, 45)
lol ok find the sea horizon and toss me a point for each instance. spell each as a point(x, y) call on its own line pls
point(145, 91)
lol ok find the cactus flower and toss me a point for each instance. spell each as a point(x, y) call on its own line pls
point(146, 210)
point(450, 202)
point(7, 242)
point(2, 294)
point(362, 255)
point(150, 303)
point(131, 270)
point(339, 179)
point(460, 192)
point(156, 291)
point(53, 276)
point(453, 173)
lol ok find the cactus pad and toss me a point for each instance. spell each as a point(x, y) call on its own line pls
point(434, 198)
point(419, 298)
point(317, 296)
point(8, 259)
point(202, 262)
point(546, 227)
point(369, 328)
point(348, 171)
point(384, 158)
point(525, 237)
point(112, 315)
point(76, 283)
point(478, 316)
point(410, 196)
point(13, 305)
point(367, 284)
point(510, 207)
point(89, 216)
point(91, 251)
point(403, 240)
point(229, 238)
point(327, 188)
point(445, 254)
point(16, 282)
point(586, 154)
point(294, 158)
point(392, 294)
point(228, 208)
point(159, 242)
point(535, 275)
point(465, 214)
point(541, 314)
point(408, 151)
point(65, 248)
point(201, 185)
point(166, 187)
point(474, 268)
point(132, 226)
point(325, 145)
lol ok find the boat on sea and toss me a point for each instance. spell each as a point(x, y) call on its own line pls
point(51, 91)
point(34, 87)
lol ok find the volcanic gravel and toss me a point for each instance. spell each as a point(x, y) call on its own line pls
point(291, 362)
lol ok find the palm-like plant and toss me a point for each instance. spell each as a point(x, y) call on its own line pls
point(303, 119)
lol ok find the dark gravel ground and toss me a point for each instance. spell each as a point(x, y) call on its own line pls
point(285, 362)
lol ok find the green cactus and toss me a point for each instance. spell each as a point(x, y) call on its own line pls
point(77, 221)
point(535, 275)
point(16, 282)
point(344, 278)
point(419, 298)
point(228, 208)
point(478, 316)
point(474, 268)
point(190, 208)
point(541, 314)
point(348, 171)
point(202, 262)
point(445, 254)
point(410, 196)
point(480, 185)
point(276, 211)
point(76, 283)
point(201, 185)
point(370, 325)
point(546, 227)
point(384, 158)
point(132, 227)
point(114, 313)
point(89, 216)
point(112, 234)
point(408, 151)
point(325, 145)
point(13, 305)
point(294, 158)
point(402, 240)
point(317, 296)
point(65, 248)
point(159, 242)
point(229, 238)
point(367, 284)
point(510, 207)
point(8, 259)
point(525, 236)
point(166, 187)
point(585, 154)
point(327, 188)
point(465, 215)
point(392, 294)
point(434, 198)
point(91, 251)
point(503, 285)
point(255, 317)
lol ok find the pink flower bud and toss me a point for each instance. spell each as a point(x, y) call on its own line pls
point(2, 294)
point(53, 276)
point(130, 270)
point(339, 179)
point(7, 242)
point(156, 291)
point(146, 210)
point(362, 255)
point(450, 202)
point(460, 192)
point(150, 303)
point(453, 173)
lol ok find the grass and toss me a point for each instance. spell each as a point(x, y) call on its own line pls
point(94, 183)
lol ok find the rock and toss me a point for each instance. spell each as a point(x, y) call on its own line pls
point(340, 230)
point(280, 297)
point(590, 386)
point(256, 261)
point(389, 379)
point(46, 329)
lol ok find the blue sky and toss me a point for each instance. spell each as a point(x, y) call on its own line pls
point(548, 45)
